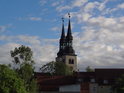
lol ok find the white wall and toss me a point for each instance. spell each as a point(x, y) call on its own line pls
point(93, 88)
point(104, 89)
point(70, 88)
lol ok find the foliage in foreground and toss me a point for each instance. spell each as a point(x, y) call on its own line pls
point(23, 65)
point(10, 82)
point(120, 85)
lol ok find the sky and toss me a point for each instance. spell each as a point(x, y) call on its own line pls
point(97, 27)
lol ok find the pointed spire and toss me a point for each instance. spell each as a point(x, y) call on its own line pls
point(69, 34)
point(63, 29)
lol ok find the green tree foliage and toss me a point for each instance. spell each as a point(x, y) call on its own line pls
point(56, 68)
point(21, 55)
point(89, 69)
point(62, 69)
point(119, 86)
point(23, 65)
point(48, 68)
point(10, 82)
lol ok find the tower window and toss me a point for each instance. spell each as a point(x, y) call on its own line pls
point(71, 61)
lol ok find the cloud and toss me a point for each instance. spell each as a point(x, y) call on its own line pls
point(79, 3)
point(20, 38)
point(43, 2)
point(30, 18)
point(121, 6)
point(55, 3)
point(100, 41)
point(90, 6)
point(73, 4)
point(55, 29)
point(44, 50)
point(102, 5)
point(5, 57)
point(3, 28)
point(35, 18)
point(6, 38)
point(111, 10)
point(61, 8)
point(100, 44)
point(29, 39)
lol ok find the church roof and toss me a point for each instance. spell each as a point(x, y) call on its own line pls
point(69, 33)
point(63, 30)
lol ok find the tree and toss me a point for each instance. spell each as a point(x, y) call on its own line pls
point(89, 69)
point(62, 69)
point(10, 82)
point(23, 65)
point(22, 55)
point(48, 68)
point(56, 68)
point(119, 86)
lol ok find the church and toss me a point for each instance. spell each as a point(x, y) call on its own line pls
point(101, 80)
point(66, 52)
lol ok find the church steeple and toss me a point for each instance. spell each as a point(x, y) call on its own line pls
point(62, 41)
point(66, 52)
point(69, 34)
point(63, 30)
point(69, 38)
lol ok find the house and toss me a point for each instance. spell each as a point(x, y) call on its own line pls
point(99, 81)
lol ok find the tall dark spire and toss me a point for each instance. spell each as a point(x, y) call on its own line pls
point(69, 38)
point(62, 41)
point(66, 52)
point(65, 43)
point(63, 30)
point(69, 34)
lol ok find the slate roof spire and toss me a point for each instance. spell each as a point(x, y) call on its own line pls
point(62, 41)
point(63, 30)
point(69, 33)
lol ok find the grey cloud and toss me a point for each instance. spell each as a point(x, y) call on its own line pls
point(44, 50)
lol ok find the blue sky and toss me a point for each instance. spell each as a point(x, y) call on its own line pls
point(38, 17)
point(97, 25)
point(27, 17)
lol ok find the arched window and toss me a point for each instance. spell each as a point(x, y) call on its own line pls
point(71, 61)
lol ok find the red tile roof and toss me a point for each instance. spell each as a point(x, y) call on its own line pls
point(52, 83)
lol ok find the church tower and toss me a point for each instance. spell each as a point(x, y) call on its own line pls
point(66, 52)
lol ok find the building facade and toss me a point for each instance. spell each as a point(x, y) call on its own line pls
point(99, 81)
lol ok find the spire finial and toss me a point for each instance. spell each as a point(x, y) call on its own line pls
point(62, 19)
point(69, 15)
point(69, 35)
